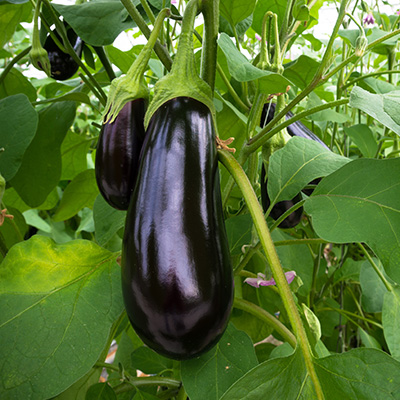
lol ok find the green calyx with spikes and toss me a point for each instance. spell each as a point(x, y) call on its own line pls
point(183, 80)
point(38, 55)
point(132, 86)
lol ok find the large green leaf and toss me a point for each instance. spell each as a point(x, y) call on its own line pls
point(357, 374)
point(78, 390)
point(98, 23)
point(213, 372)
point(10, 16)
point(107, 220)
point(361, 203)
point(242, 70)
point(296, 165)
point(363, 137)
point(17, 132)
point(235, 11)
point(40, 171)
point(238, 229)
point(383, 107)
point(391, 321)
point(148, 361)
point(81, 192)
point(58, 304)
point(297, 258)
point(74, 149)
point(372, 288)
point(301, 71)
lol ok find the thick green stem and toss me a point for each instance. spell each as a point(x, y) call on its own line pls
point(9, 66)
point(160, 50)
point(210, 10)
point(264, 235)
point(265, 316)
point(105, 61)
point(382, 277)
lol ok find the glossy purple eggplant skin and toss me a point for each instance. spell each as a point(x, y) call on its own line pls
point(62, 65)
point(281, 207)
point(117, 155)
point(177, 276)
point(295, 129)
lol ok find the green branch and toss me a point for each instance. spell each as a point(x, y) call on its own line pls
point(382, 277)
point(9, 66)
point(160, 50)
point(265, 316)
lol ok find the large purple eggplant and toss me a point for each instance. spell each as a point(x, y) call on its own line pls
point(177, 276)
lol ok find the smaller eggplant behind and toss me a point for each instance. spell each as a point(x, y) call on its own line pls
point(63, 66)
point(117, 155)
point(295, 129)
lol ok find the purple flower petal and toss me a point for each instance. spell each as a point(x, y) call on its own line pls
point(257, 36)
point(260, 280)
point(369, 19)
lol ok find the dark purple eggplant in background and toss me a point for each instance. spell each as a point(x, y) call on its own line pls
point(63, 66)
point(177, 276)
point(117, 155)
point(295, 129)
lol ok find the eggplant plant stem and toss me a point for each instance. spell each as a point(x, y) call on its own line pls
point(235, 169)
point(210, 10)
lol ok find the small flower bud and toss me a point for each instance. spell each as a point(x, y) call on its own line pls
point(40, 59)
point(361, 45)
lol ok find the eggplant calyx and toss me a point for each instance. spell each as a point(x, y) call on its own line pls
point(183, 80)
point(132, 86)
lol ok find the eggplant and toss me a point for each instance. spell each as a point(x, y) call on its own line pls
point(63, 66)
point(177, 278)
point(295, 129)
point(281, 207)
point(117, 155)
